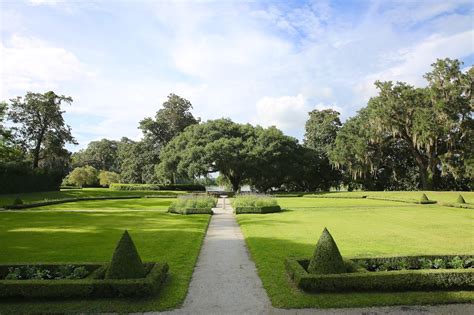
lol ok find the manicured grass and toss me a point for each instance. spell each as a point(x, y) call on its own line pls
point(361, 228)
point(443, 196)
point(28, 236)
point(85, 192)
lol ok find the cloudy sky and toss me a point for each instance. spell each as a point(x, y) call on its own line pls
point(263, 62)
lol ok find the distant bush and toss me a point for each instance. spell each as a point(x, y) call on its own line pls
point(424, 200)
point(82, 176)
point(183, 187)
point(461, 199)
point(17, 201)
point(21, 178)
point(193, 204)
point(106, 178)
point(126, 263)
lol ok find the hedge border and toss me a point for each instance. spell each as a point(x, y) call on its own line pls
point(66, 200)
point(191, 211)
point(382, 281)
point(456, 205)
point(258, 210)
point(91, 286)
point(141, 187)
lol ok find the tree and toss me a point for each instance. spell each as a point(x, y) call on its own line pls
point(137, 161)
point(39, 123)
point(9, 152)
point(240, 153)
point(321, 131)
point(83, 176)
point(431, 127)
point(100, 154)
point(169, 121)
point(106, 178)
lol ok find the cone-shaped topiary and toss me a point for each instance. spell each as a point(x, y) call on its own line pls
point(126, 263)
point(326, 258)
point(424, 198)
point(461, 199)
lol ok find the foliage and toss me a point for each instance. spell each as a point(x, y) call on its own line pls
point(241, 153)
point(414, 263)
point(169, 121)
point(106, 178)
point(326, 257)
point(193, 202)
point(37, 272)
point(39, 126)
point(257, 209)
point(179, 187)
point(83, 176)
point(423, 198)
point(321, 130)
point(126, 263)
point(17, 201)
point(397, 281)
point(102, 155)
point(19, 177)
point(433, 125)
point(460, 199)
point(94, 286)
point(137, 161)
point(254, 201)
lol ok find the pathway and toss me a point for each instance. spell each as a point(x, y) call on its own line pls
point(225, 280)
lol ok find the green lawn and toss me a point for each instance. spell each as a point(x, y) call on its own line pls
point(85, 192)
point(90, 235)
point(442, 196)
point(361, 228)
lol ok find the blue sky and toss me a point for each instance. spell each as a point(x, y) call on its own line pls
point(263, 62)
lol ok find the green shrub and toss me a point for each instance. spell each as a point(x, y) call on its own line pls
point(106, 178)
point(259, 210)
point(414, 262)
point(393, 281)
point(326, 258)
point(93, 286)
point(461, 199)
point(254, 201)
point(126, 263)
point(17, 201)
point(42, 273)
point(178, 187)
point(193, 204)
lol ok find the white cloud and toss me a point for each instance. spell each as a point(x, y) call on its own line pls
point(45, 2)
point(286, 112)
point(33, 64)
point(415, 61)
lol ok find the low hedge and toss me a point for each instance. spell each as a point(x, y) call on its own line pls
point(383, 281)
point(191, 211)
point(261, 210)
point(65, 200)
point(421, 202)
point(456, 205)
point(93, 285)
point(182, 187)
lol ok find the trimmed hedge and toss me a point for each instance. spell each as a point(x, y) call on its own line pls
point(126, 263)
point(261, 210)
point(65, 200)
point(93, 285)
point(383, 281)
point(457, 205)
point(422, 202)
point(191, 211)
point(21, 178)
point(326, 257)
point(182, 187)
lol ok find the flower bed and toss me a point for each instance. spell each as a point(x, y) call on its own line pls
point(255, 204)
point(193, 204)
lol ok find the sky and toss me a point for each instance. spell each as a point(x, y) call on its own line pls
point(262, 62)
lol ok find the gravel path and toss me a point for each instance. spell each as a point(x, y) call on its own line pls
point(225, 280)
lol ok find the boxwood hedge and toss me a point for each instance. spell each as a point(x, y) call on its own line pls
point(255, 209)
point(183, 187)
point(94, 285)
point(384, 281)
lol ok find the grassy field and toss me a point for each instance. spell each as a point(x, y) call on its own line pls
point(85, 192)
point(441, 196)
point(90, 235)
point(361, 228)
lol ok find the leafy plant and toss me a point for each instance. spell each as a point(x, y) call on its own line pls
point(193, 202)
point(254, 201)
point(425, 263)
point(456, 263)
point(439, 263)
point(39, 273)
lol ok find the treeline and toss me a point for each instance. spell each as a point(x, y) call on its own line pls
point(406, 138)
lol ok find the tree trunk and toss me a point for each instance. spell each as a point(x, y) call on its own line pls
point(36, 153)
